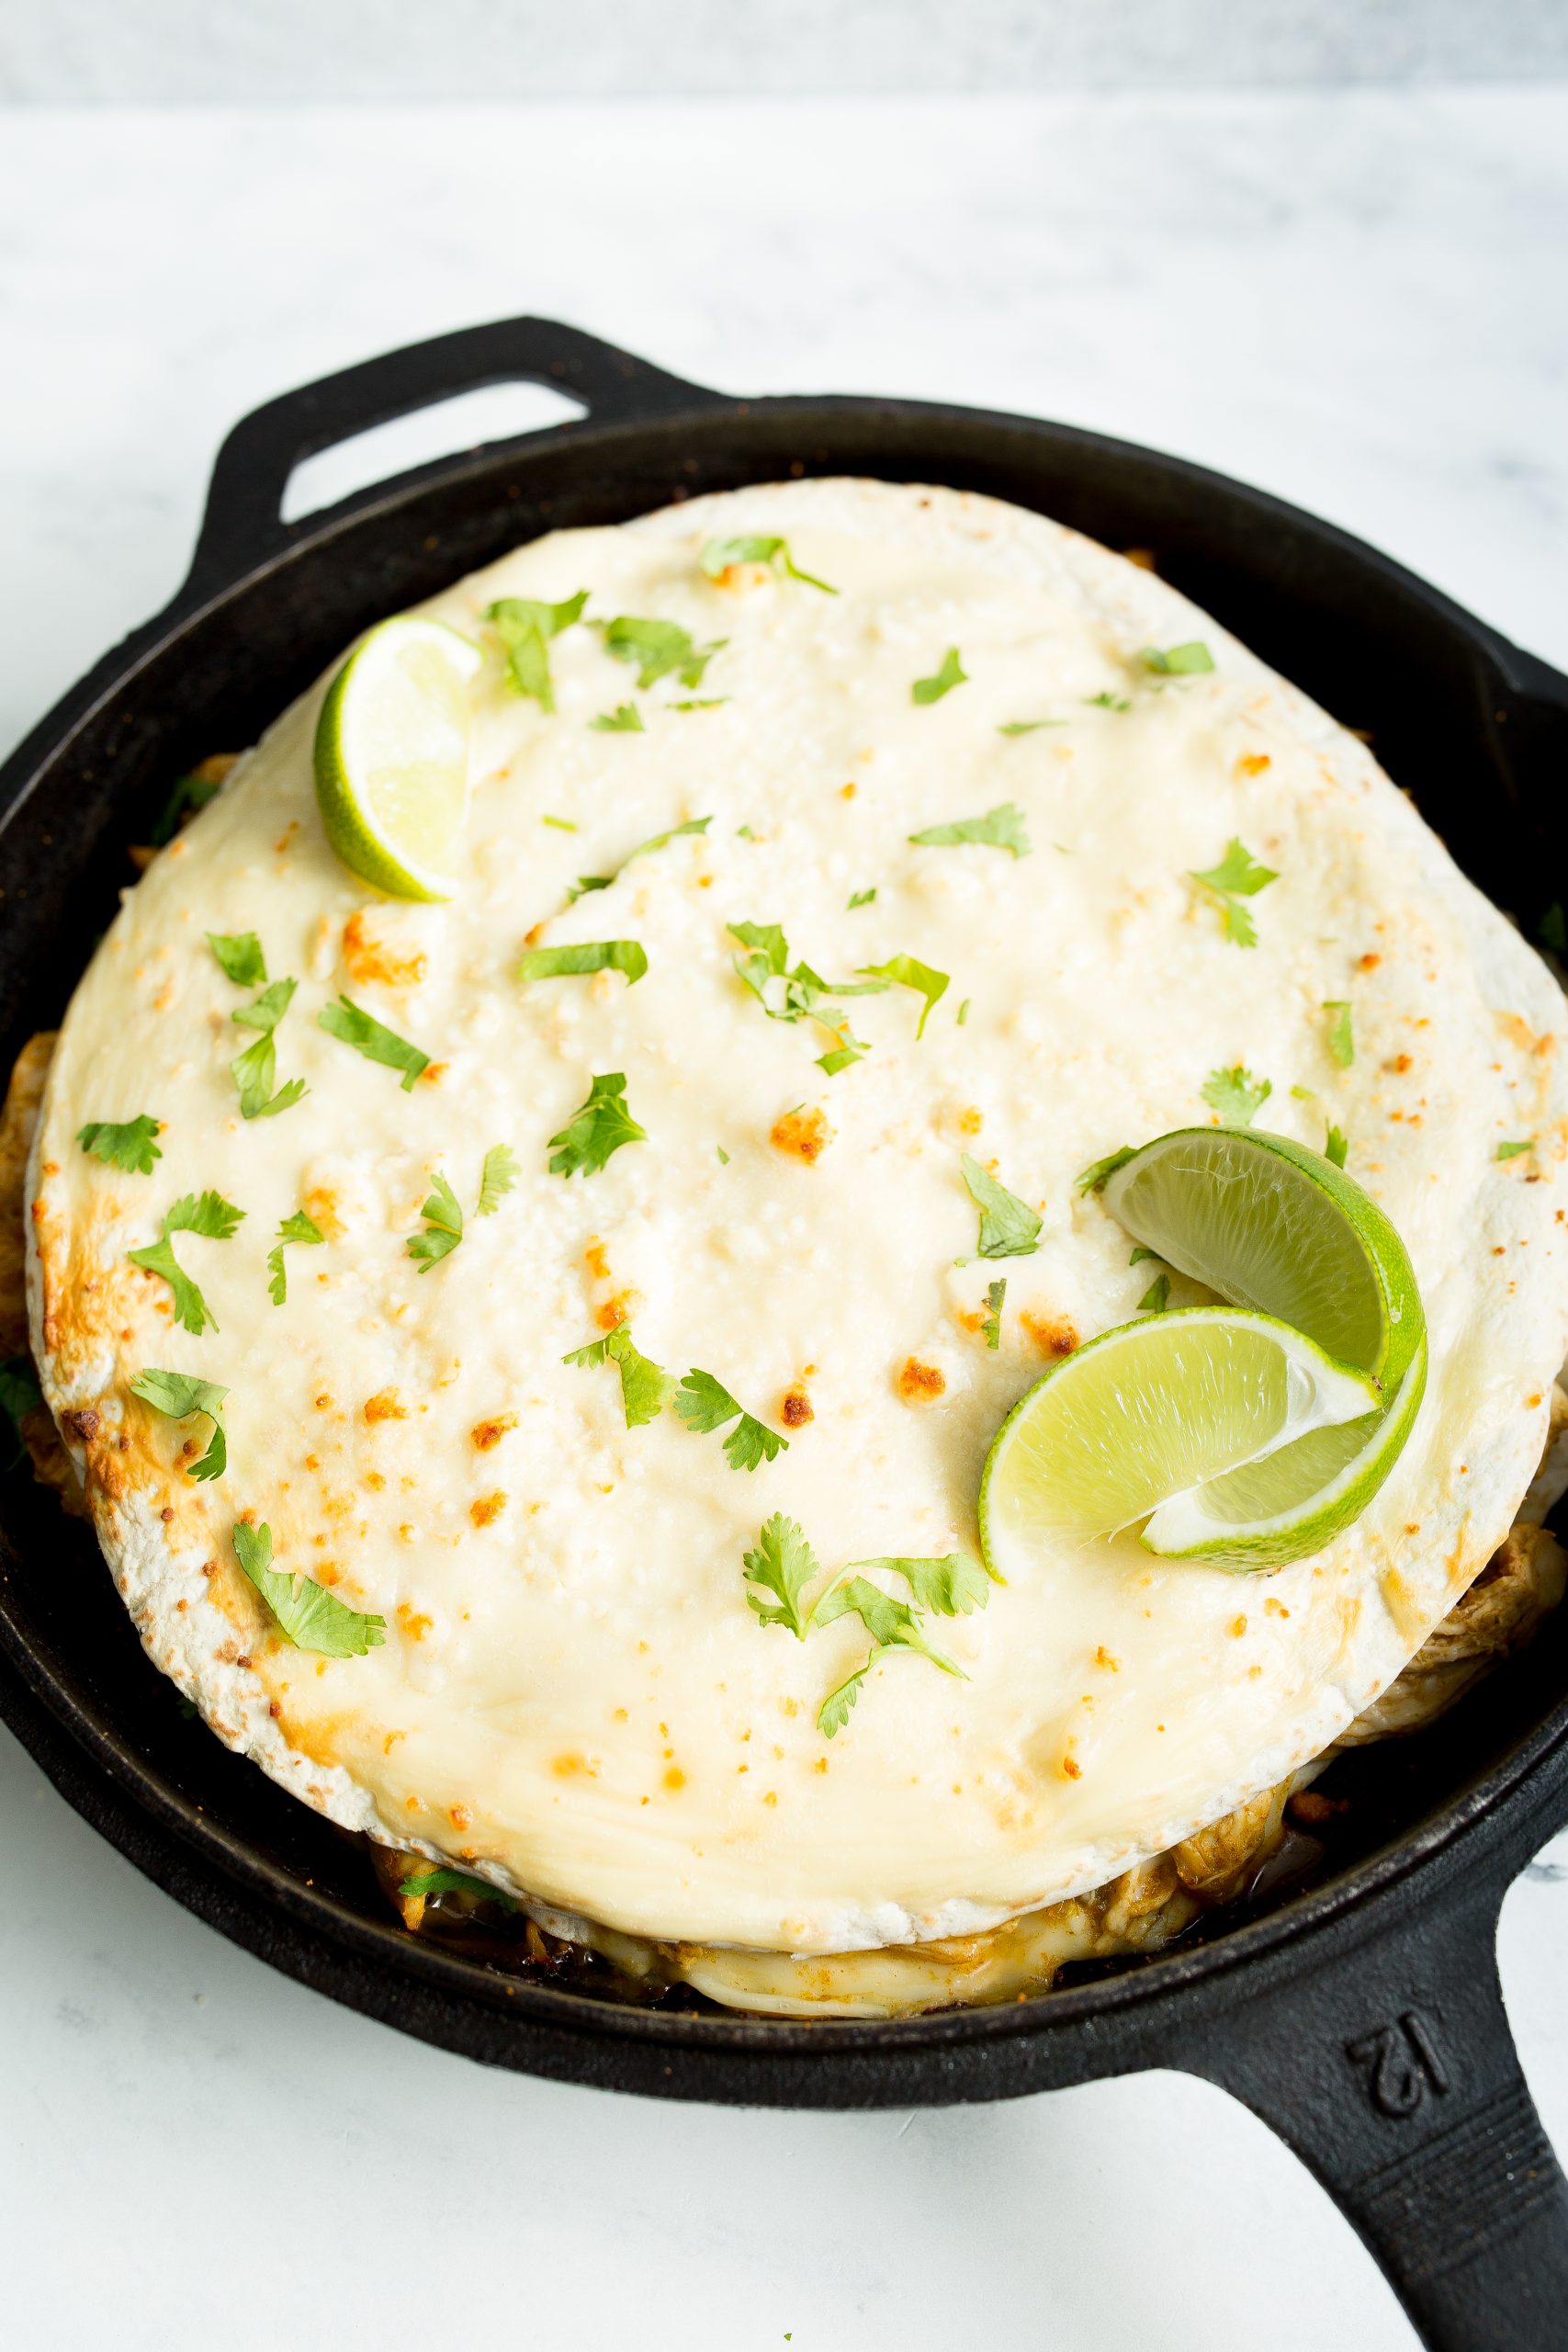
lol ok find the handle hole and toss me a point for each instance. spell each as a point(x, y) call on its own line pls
point(495, 412)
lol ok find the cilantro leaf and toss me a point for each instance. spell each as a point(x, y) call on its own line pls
point(1106, 700)
point(191, 793)
point(1009, 1227)
point(1341, 1042)
point(526, 626)
point(295, 1227)
point(656, 647)
point(1177, 660)
point(892, 1624)
point(1337, 1146)
point(256, 1067)
point(19, 1393)
point(598, 1129)
point(783, 1564)
point(717, 555)
point(801, 994)
point(1513, 1150)
point(240, 953)
point(179, 1395)
point(1029, 725)
point(208, 1214)
point(706, 1404)
point(453, 1882)
point(1140, 1253)
point(992, 1326)
point(646, 1387)
point(953, 1585)
point(344, 1020)
point(496, 1178)
point(625, 719)
point(559, 824)
point(1236, 1095)
point(1238, 876)
point(126, 1144)
point(834, 1711)
point(444, 1224)
point(907, 972)
point(942, 682)
point(1098, 1172)
point(1157, 1298)
point(306, 1614)
point(715, 702)
point(1003, 827)
point(586, 882)
point(862, 898)
point(625, 956)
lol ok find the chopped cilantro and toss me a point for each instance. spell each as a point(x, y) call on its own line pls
point(717, 555)
point(658, 646)
point(951, 674)
point(1156, 1299)
point(127, 1143)
point(708, 702)
point(801, 994)
point(240, 953)
point(211, 1216)
point(1177, 660)
point(256, 1067)
point(191, 793)
point(723, 1155)
point(1236, 1095)
point(704, 1405)
point(1099, 1171)
point(1106, 700)
point(602, 1126)
point(892, 1624)
point(296, 1226)
point(1029, 725)
point(1341, 1042)
point(1000, 828)
point(862, 898)
point(1009, 1227)
point(1336, 1147)
point(952, 1585)
point(444, 1226)
point(496, 1178)
point(907, 972)
point(367, 1036)
point(625, 719)
point(1513, 1150)
point(834, 1711)
point(992, 1326)
point(19, 1393)
point(1238, 876)
point(646, 1387)
point(179, 1395)
point(306, 1614)
point(561, 824)
point(963, 1012)
point(1140, 1253)
point(586, 882)
point(783, 1564)
point(625, 956)
point(526, 626)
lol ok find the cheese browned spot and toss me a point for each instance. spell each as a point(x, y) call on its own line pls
point(919, 1383)
point(805, 1134)
point(1052, 1334)
point(487, 1435)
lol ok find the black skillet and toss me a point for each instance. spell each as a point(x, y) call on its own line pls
point(1361, 2019)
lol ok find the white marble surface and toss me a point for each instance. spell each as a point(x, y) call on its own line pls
point(1344, 298)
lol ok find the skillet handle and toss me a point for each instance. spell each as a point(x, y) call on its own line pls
point(243, 524)
point(1395, 2080)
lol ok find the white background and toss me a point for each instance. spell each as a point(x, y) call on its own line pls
point(1352, 299)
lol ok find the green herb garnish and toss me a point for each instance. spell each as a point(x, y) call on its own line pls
point(1009, 1227)
point(344, 1020)
point(718, 556)
point(1177, 660)
point(526, 626)
point(598, 1129)
point(1157, 1298)
point(951, 674)
point(179, 1395)
point(559, 824)
point(862, 898)
point(256, 1067)
point(306, 1614)
point(240, 953)
point(586, 882)
point(783, 1564)
point(646, 1387)
point(295, 1227)
point(992, 1326)
point(706, 1404)
point(1000, 828)
point(908, 972)
point(208, 1214)
point(1341, 1042)
point(1238, 876)
point(800, 994)
point(658, 646)
point(127, 1143)
point(497, 1178)
point(625, 956)
point(625, 719)
point(1106, 700)
point(1336, 1147)
point(1236, 1095)
point(1513, 1150)
point(1029, 725)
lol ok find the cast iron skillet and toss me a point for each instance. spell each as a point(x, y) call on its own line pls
point(1362, 2020)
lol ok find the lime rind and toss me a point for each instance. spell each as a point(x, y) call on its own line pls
point(391, 754)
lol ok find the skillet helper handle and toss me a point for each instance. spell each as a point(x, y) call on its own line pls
point(1394, 2076)
point(243, 524)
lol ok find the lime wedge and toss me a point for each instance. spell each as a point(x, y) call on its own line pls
point(1147, 1413)
point(392, 756)
point(1269, 1225)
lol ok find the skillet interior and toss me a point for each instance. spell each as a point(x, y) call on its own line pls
point(1452, 711)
